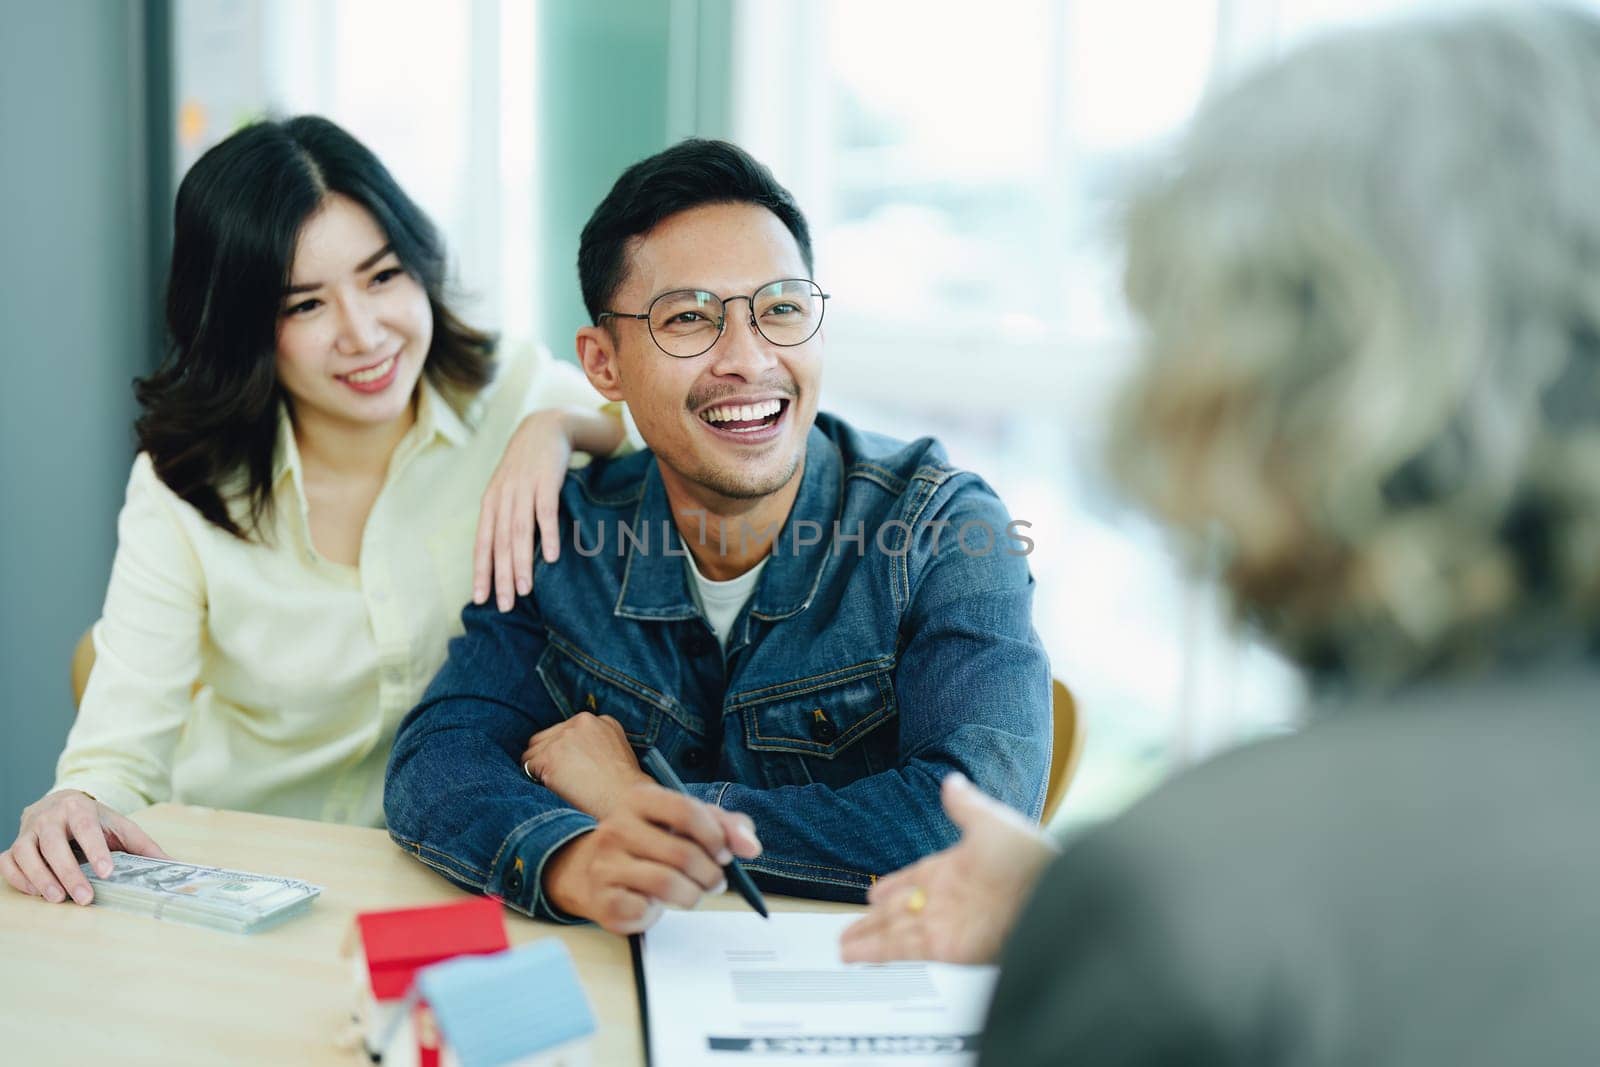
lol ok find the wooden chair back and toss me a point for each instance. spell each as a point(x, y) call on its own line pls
point(1065, 750)
point(82, 664)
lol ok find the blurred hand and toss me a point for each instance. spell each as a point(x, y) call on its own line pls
point(40, 861)
point(654, 848)
point(586, 761)
point(523, 497)
point(970, 893)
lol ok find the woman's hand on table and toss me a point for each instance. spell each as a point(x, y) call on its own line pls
point(955, 906)
point(40, 862)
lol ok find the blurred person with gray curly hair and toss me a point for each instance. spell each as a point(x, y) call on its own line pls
point(1369, 286)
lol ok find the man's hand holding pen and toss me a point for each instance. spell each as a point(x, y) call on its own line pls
point(653, 846)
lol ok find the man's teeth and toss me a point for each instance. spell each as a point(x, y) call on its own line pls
point(743, 412)
point(371, 374)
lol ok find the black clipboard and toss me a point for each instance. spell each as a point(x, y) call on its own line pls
point(636, 949)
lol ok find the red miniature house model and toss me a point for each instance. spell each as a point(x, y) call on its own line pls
point(395, 945)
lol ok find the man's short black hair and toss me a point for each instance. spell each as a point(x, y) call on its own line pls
point(687, 175)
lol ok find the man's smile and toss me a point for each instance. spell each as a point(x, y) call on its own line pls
point(740, 416)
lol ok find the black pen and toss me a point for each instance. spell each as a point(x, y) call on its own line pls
point(659, 769)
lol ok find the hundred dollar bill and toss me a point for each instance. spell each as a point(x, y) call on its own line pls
point(214, 897)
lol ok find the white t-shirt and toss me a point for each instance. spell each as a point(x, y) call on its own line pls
point(721, 602)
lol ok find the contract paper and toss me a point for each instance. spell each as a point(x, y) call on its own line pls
point(729, 989)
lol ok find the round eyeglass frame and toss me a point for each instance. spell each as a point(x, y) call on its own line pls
point(722, 320)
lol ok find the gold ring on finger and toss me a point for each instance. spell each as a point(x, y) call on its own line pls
point(916, 900)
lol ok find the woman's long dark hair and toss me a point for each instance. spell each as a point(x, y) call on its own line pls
point(210, 413)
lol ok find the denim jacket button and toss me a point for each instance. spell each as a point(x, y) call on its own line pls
point(694, 757)
point(823, 731)
point(514, 882)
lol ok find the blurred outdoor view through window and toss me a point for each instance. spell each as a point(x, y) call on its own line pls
point(964, 184)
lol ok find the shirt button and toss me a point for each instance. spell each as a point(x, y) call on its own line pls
point(694, 757)
point(823, 731)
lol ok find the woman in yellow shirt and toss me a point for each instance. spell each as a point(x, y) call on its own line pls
point(299, 530)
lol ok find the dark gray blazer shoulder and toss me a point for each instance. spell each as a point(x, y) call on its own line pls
point(1415, 882)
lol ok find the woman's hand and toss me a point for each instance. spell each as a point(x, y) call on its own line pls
point(524, 497)
point(956, 906)
point(40, 861)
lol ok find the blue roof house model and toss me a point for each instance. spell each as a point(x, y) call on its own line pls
point(524, 1007)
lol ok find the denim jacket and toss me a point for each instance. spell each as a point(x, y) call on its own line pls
point(888, 642)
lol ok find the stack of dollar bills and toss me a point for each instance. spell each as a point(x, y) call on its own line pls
point(236, 901)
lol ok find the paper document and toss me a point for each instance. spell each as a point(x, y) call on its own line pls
point(728, 988)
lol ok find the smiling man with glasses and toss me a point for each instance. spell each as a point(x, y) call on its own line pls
point(814, 625)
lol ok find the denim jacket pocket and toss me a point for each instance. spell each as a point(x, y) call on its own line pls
point(825, 728)
point(577, 683)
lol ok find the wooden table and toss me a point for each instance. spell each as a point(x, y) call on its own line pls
point(94, 985)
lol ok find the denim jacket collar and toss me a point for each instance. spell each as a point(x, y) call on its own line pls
point(655, 583)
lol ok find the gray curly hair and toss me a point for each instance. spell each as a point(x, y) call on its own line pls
point(1370, 284)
